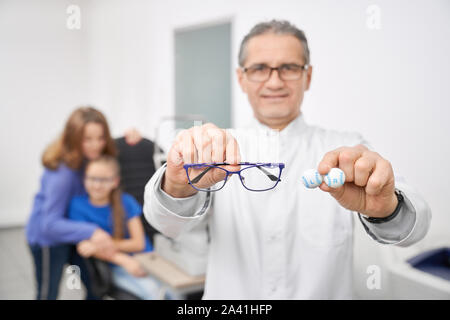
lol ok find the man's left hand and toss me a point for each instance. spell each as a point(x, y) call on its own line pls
point(369, 186)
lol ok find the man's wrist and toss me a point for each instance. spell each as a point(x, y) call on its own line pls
point(391, 208)
point(176, 191)
point(400, 199)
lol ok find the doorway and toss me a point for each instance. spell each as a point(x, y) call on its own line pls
point(203, 73)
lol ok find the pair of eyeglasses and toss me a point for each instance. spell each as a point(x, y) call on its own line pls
point(286, 72)
point(253, 176)
point(101, 180)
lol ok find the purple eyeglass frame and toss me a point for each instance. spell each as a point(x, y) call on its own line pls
point(248, 165)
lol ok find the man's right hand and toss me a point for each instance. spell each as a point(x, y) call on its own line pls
point(205, 144)
point(104, 244)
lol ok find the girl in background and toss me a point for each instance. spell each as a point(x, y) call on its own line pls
point(50, 234)
point(118, 214)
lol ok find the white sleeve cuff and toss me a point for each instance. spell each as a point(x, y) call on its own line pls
point(395, 230)
point(409, 226)
point(173, 216)
point(192, 206)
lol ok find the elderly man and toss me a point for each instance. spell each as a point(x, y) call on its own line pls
point(288, 242)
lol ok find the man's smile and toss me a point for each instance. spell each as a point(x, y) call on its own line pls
point(274, 97)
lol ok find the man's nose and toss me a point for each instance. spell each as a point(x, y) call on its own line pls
point(274, 81)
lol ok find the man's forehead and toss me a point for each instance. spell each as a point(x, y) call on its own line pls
point(273, 48)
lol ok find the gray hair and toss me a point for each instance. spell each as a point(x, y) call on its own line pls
point(281, 27)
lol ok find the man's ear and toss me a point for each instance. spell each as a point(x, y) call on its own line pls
point(240, 76)
point(308, 77)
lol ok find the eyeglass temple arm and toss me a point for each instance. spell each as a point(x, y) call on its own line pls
point(197, 178)
point(271, 176)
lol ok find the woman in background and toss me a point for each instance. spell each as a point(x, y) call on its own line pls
point(50, 234)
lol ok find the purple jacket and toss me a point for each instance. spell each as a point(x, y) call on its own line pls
point(48, 224)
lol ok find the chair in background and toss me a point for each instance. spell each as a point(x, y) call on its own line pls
point(136, 168)
point(101, 281)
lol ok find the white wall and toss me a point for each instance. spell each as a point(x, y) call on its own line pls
point(43, 73)
point(389, 84)
point(120, 48)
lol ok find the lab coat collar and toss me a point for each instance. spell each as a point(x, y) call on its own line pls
point(296, 126)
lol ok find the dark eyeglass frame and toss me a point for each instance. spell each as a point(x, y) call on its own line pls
point(279, 70)
point(248, 165)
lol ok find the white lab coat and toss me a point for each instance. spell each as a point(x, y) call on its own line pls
point(287, 243)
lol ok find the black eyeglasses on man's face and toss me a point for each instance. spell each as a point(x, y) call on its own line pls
point(262, 72)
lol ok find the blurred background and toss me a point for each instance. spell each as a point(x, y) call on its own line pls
point(380, 67)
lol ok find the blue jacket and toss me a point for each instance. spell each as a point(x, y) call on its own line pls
point(48, 224)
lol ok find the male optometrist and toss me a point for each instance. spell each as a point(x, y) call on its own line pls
point(290, 242)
